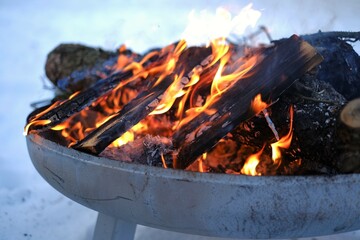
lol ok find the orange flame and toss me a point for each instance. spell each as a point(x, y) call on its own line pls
point(228, 73)
point(251, 163)
point(189, 95)
point(284, 142)
point(129, 136)
point(257, 105)
point(163, 161)
point(201, 162)
point(35, 123)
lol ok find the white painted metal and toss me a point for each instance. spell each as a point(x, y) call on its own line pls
point(111, 228)
point(202, 203)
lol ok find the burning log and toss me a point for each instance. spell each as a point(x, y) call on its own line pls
point(63, 110)
point(348, 133)
point(226, 129)
point(139, 107)
point(278, 71)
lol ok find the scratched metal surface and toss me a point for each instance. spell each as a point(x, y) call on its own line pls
point(203, 204)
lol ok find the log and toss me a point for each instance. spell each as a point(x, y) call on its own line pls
point(348, 133)
point(68, 58)
point(341, 65)
point(140, 107)
point(287, 62)
point(75, 67)
point(317, 106)
point(58, 114)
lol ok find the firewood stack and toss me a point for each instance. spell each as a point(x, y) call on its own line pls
point(317, 74)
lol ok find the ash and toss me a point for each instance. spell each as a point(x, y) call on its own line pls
point(144, 150)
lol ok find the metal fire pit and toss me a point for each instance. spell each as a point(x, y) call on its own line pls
point(127, 194)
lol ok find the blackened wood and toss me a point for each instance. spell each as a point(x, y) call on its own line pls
point(140, 107)
point(70, 106)
point(274, 74)
point(123, 120)
point(341, 65)
point(85, 98)
point(348, 133)
point(347, 36)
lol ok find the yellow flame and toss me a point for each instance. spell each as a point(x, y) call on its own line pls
point(174, 91)
point(251, 163)
point(257, 104)
point(201, 162)
point(284, 142)
point(129, 136)
point(163, 160)
point(35, 123)
point(125, 138)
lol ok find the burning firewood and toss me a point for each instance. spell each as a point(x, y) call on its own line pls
point(222, 127)
point(288, 61)
point(63, 109)
point(140, 107)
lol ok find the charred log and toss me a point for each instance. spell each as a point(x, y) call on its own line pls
point(341, 65)
point(68, 107)
point(139, 107)
point(278, 71)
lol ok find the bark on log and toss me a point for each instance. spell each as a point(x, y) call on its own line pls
point(348, 133)
point(288, 61)
point(72, 67)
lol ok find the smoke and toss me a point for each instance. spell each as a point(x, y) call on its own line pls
point(162, 23)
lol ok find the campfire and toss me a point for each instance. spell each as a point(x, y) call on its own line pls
point(227, 107)
point(237, 105)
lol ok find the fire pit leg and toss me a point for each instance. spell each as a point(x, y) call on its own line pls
point(110, 228)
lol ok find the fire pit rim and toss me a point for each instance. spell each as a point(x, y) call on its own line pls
point(143, 193)
point(179, 174)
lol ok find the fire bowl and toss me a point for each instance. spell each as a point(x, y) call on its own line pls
point(201, 203)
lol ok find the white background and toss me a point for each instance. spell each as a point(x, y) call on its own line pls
point(29, 207)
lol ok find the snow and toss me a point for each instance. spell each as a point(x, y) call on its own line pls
point(29, 207)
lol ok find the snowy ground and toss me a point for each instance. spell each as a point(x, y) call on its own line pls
point(29, 207)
